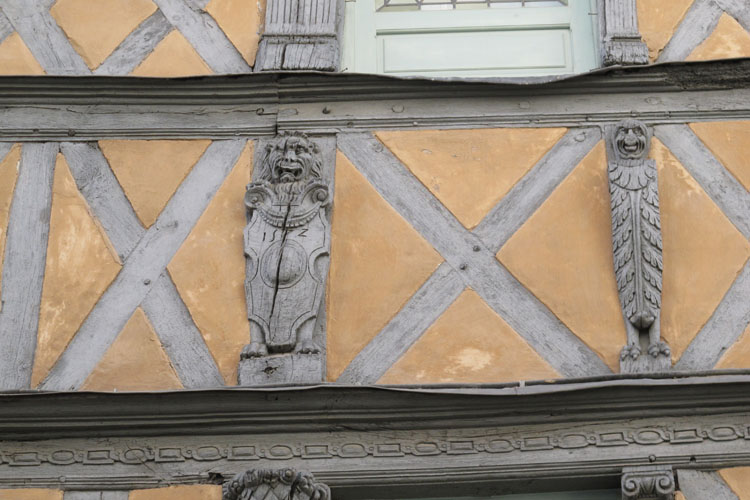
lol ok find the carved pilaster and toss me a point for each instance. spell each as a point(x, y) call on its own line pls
point(622, 40)
point(648, 483)
point(287, 244)
point(301, 35)
point(637, 245)
point(283, 484)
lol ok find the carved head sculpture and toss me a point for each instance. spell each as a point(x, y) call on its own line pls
point(632, 140)
point(291, 158)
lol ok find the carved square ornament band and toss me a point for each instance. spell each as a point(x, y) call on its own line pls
point(637, 245)
point(287, 244)
point(284, 484)
point(648, 483)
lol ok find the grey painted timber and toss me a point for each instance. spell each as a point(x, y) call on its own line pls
point(407, 326)
point(700, 485)
point(96, 495)
point(723, 328)
point(720, 185)
point(528, 194)
point(44, 38)
point(477, 266)
point(24, 264)
point(5, 27)
point(163, 306)
point(699, 22)
point(143, 267)
point(137, 46)
point(739, 9)
point(204, 34)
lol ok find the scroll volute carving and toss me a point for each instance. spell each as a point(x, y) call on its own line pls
point(637, 245)
point(284, 484)
point(648, 483)
point(287, 244)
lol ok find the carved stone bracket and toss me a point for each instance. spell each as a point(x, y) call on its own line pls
point(283, 484)
point(622, 43)
point(648, 483)
point(287, 243)
point(300, 35)
point(637, 245)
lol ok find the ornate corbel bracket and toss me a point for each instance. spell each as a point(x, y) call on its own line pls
point(301, 35)
point(283, 484)
point(622, 42)
point(637, 245)
point(648, 483)
point(287, 245)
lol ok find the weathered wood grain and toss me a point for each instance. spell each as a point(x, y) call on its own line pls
point(475, 263)
point(505, 218)
point(5, 27)
point(407, 326)
point(696, 26)
point(204, 34)
point(137, 46)
point(720, 185)
point(24, 264)
point(700, 485)
point(144, 266)
point(723, 328)
point(163, 306)
point(96, 495)
point(44, 38)
point(739, 9)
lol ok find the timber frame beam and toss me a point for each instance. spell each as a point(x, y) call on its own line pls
point(371, 440)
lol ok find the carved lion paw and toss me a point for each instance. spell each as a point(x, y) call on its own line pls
point(659, 349)
point(632, 351)
point(306, 347)
point(254, 350)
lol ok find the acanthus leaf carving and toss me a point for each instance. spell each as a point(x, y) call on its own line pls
point(637, 243)
point(282, 484)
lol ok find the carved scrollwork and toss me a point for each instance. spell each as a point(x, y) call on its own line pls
point(648, 483)
point(283, 484)
point(636, 241)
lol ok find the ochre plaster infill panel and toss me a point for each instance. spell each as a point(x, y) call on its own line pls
point(469, 171)
point(209, 270)
point(378, 261)
point(135, 361)
point(728, 141)
point(173, 57)
point(563, 254)
point(738, 479)
point(150, 171)
point(96, 28)
point(80, 265)
point(703, 252)
point(657, 21)
point(16, 58)
point(31, 494)
point(8, 175)
point(469, 343)
point(728, 40)
point(738, 355)
point(198, 492)
point(241, 21)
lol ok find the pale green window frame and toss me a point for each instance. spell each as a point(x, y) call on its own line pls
point(512, 42)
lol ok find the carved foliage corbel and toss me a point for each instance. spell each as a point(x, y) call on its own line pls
point(287, 245)
point(622, 42)
point(283, 484)
point(648, 483)
point(637, 244)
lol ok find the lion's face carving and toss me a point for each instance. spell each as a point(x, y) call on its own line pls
point(291, 159)
point(632, 140)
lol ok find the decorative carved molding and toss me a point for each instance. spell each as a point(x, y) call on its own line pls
point(287, 244)
point(622, 42)
point(283, 484)
point(648, 483)
point(300, 35)
point(637, 243)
